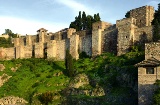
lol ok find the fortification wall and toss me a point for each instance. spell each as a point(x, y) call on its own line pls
point(62, 46)
point(125, 35)
point(109, 40)
point(47, 38)
point(152, 49)
point(22, 40)
point(143, 15)
point(70, 32)
point(96, 42)
point(51, 49)
point(143, 35)
point(39, 50)
point(74, 41)
point(57, 36)
point(100, 25)
point(27, 51)
point(85, 44)
point(7, 53)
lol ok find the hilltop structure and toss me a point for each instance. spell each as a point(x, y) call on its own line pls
point(104, 37)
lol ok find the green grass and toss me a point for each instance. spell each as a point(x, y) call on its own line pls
point(36, 76)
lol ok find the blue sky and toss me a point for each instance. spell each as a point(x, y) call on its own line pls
point(27, 16)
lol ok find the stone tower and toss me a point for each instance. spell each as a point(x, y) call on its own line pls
point(41, 34)
point(132, 30)
point(143, 15)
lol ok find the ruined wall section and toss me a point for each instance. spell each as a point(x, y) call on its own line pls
point(39, 50)
point(126, 28)
point(16, 42)
point(143, 35)
point(27, 51)
point(28, 40)
point(70, 32)
point(51, 49)
point(152, 50)
point(74, 42)
point(143, 15)
point(97, 29)
point(7, 53)
point(109, 40)
point(85, 42)
point(62, 46)
point(19, 52)
point(34, 39)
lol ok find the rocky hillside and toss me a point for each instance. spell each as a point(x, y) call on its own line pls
point(103, 80)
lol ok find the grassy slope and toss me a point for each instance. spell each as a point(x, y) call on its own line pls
point(33, 76)
point(36, 76)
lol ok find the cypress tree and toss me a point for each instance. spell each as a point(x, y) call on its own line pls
point(84, 20)
point(69, 64)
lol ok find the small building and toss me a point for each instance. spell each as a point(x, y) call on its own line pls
point(148, 73)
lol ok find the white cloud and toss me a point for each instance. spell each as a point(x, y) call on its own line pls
point(75, 6)
point(22, 26)
point(153, 3)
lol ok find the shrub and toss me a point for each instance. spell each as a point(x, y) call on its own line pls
point(46, 98)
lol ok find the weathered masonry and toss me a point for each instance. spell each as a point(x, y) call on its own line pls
point(148, 73)
point(104, 37)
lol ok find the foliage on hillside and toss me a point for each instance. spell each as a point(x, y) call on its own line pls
point(84, 22)
point(38, 77)
point(33, 77)
point(156, 23)
point(7, 42)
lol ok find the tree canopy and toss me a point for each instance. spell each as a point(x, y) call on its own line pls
point(127, 14)
point(10, 33)
point(7, 42)
point(84, 22)
point(156, 24)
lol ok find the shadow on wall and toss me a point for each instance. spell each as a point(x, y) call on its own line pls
point(145, 93)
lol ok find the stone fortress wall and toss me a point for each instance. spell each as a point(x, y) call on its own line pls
point(104, 37)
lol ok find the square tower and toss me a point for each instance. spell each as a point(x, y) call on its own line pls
point(143, 15)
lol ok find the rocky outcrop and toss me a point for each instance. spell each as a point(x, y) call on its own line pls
point(79, 80)
point(2, 67)
point(80, 85)
point(4, 78)
point(12, 100)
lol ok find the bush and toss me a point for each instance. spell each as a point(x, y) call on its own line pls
point(83, 55)
point(46, 98)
